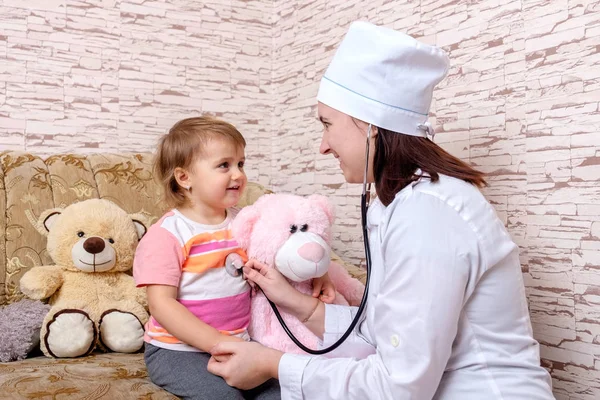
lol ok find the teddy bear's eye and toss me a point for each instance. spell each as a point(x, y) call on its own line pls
point(111, 241)
point(293, 228)
point(304, 228)
point(80, 234)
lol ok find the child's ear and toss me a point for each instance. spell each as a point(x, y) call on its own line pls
point(243, 225)
point(323, 203)
point(182, 177)
point(46, 219)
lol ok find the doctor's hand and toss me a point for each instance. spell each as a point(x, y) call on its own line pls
point(272, 282)
point(244, 365)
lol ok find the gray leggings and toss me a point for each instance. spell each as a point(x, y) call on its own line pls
point(184, 374)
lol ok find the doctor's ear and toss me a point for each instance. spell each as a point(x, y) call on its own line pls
point(364, 126)
point(374, 131)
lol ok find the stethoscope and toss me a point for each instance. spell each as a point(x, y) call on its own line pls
point(234, 265)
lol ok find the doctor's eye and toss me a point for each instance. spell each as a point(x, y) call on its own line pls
point(293, 228)
point(304, 228)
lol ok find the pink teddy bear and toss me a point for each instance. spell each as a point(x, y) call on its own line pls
point(292, 234)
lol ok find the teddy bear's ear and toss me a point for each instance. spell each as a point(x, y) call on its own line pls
point(323, 203)
point(243, 224)
point(140, 228)
point(141, 223)
point(46, 219)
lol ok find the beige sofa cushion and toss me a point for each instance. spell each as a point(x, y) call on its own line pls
point(101, 376)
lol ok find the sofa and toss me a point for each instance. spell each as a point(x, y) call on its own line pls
point(30, 184)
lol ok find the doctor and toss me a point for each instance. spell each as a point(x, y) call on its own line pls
point(446, 316)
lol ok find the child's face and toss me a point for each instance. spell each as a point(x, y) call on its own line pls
point(217, 178)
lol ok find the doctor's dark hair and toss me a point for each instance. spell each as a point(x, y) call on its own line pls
point(398, 156)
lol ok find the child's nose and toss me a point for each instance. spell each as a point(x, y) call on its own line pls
point(237, 173)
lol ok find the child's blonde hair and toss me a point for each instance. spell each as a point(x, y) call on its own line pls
point(181, 147)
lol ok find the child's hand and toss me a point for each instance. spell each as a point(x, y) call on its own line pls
point(228, 338)
point(323, 289)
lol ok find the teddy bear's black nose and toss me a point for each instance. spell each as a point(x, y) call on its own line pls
point(94, 245)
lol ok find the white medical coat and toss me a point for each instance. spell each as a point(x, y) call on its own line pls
point(446, 316)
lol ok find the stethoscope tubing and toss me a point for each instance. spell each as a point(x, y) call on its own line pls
point(364, 206)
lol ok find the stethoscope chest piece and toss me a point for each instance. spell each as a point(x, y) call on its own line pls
point(234, 265)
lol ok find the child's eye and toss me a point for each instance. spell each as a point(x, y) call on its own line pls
point(224, 165)
point(241, 164)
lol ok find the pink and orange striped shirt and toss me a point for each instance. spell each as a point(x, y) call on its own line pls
point(179, 252)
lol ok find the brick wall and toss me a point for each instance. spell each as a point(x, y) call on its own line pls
point(113, 75)
point(520, 102)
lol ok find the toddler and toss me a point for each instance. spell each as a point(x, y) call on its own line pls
point(194, 302)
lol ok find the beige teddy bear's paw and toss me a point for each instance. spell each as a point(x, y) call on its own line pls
point(70, 333)
point(121, 331)
point(41, 282)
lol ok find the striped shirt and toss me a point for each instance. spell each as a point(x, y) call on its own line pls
point(180, 252)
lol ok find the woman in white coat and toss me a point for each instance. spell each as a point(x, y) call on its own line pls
point(446, 316)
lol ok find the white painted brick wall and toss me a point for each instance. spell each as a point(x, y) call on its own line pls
point(520, 102)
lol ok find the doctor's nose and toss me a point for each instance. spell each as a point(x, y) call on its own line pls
point(324, 148)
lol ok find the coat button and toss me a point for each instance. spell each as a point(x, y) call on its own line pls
point(395, 341)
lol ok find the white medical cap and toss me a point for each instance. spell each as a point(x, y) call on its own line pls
point(385, 78)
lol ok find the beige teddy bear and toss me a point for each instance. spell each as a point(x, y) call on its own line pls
point(93, 300)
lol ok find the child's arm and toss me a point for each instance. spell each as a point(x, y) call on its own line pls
point(157, 266)
point(180, 322)
point(324, 289)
